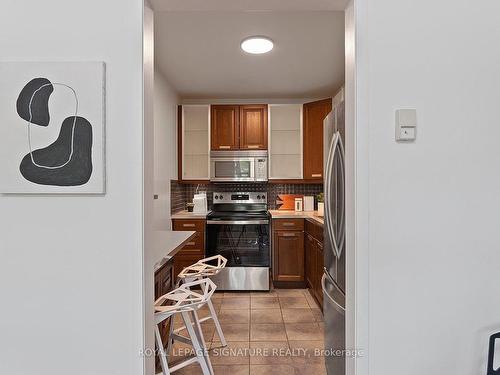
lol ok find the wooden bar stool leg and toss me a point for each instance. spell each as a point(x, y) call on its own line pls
point(196, 344)
point(162, 354)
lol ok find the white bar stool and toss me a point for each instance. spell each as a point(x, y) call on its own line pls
point(201, 270)
point(184, 301)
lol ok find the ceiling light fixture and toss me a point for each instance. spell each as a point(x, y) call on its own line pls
point(257, 45)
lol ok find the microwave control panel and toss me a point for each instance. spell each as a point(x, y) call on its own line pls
point(260, 169)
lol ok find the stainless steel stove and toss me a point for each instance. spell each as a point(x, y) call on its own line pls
point(238, 228)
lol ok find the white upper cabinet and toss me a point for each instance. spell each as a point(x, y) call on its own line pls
point(195, 142)
point(285, 146)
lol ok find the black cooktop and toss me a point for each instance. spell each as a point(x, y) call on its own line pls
point(238, 215)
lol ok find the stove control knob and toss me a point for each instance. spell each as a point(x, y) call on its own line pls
point(263, 197)
point(216, 197)
point(221, 196)
point(258, 196)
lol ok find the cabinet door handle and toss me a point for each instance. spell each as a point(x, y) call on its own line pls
point(316, 175)
point(224, 147)
point(191, 243)
point(253, 146)
point(188, 225)
point(288, 224)
point(288, 234)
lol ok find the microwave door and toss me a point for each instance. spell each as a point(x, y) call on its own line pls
point(227, 170)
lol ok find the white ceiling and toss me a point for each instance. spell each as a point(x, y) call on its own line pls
point(199, 53)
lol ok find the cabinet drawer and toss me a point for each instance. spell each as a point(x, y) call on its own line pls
point(189, 224)
point(196, 246)
point(288, 224)
point(314, 230)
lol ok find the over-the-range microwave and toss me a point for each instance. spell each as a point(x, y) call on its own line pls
point(238, 166)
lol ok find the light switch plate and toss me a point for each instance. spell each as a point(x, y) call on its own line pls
point(407, 133)
point(406, 125)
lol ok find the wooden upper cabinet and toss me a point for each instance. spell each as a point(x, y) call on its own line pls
point(225, 127)
point(314, 114)
point(239, 127)
point(253, 127)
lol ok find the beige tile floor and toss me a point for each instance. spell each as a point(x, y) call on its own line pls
point(273, 333)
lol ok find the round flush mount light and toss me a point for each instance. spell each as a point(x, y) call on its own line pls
point(257, 45)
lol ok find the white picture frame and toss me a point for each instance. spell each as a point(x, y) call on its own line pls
point(52, 128)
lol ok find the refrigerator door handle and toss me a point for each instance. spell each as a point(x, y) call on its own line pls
point(328, 193)
point(342, 199)
point(335, 303)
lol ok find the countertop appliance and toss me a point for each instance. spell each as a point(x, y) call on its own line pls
point(333, 280)
point(200, 203)
point(238, 228)
point(238, 166)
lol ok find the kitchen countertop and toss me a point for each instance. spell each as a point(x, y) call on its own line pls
point(308, 215)
point(190, 215)
point(167, 243)
point(275, 214)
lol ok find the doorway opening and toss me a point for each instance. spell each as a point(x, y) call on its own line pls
point(229, 82)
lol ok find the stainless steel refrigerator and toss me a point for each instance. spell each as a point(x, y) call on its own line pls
point(333, 280)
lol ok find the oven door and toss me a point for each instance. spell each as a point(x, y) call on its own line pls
point(244, 243)
point(232, 169)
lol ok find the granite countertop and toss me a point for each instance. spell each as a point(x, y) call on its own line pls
point(308, 215)
point(167, 243)
point(190, 215)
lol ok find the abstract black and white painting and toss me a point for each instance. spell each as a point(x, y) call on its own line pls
point(52, 119)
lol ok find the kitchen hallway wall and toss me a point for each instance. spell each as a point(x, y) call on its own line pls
point(165, 148)
point(433, 247)
point(71, 268)
point(183, 193)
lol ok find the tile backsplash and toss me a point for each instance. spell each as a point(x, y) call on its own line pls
point(183, 193)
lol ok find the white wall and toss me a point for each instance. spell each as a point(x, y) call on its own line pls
point(71, 267)
point(165, 119)
point(148, 181)
point(434, 205)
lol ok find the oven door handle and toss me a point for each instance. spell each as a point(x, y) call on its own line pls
point(237, 222)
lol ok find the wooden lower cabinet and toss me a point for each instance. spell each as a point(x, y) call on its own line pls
point(288, 250)
point(183, 261)
point(194, 250)
point(314, 260)
point(310, 254)
point(288, 256)
point(166, 277)
point(317, 288)
point(164, 283)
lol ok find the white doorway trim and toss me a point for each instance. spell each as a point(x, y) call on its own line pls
point(357, 193)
